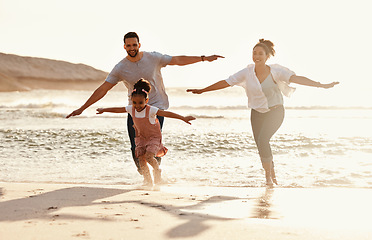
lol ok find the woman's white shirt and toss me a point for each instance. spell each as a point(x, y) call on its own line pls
point(247, 79)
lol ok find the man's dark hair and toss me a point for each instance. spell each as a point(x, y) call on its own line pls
point(131, 35)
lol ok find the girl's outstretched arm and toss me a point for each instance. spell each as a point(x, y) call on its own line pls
point(308, 82)
point(217, 86)
point(112, 110)
point(169, 114)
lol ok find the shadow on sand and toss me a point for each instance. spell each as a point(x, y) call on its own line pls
point(43, 206)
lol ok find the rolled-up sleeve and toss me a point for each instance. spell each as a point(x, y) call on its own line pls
point(284, 73)
point(237, 78)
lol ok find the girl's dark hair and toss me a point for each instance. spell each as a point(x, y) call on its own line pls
point(141, 87)
point(267, 45)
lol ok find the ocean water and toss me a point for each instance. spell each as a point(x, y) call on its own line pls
point(315, 147)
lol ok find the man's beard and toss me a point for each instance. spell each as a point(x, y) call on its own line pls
point(132, 54)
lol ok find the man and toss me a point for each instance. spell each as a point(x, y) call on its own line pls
point(138, 65)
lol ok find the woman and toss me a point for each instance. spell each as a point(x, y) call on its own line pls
point(264, 86)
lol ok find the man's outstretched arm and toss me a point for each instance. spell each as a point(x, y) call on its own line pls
point(185, 60)
point(99, 93)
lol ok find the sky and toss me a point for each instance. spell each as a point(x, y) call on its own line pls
point(324, 40)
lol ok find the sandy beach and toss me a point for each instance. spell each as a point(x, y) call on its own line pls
point(75, 178)
point(324, 172)
point(67, 211)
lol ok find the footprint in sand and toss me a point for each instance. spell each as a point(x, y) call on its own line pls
point(84, 234)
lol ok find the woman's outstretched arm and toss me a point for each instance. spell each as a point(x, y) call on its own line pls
point(217, 86)
point(308, 82)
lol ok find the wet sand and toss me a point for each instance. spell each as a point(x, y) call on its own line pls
point(67, 211)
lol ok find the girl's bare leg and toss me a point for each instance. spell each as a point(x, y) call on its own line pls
point(145, 170)
point(150, 158)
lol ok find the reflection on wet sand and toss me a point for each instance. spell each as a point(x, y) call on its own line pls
point(263, 208)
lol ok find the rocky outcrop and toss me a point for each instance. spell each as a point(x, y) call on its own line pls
point(19, 73)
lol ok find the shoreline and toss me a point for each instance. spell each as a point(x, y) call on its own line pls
point(93, 211)
point(29, 84)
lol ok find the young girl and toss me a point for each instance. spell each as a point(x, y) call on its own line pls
point(148, 134)
point(264, 86)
